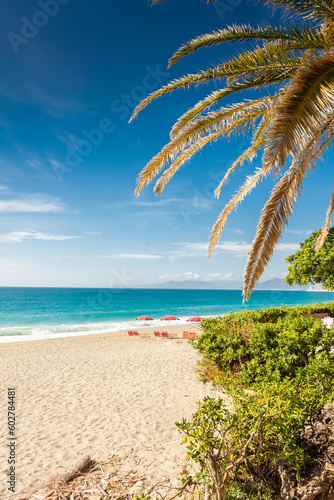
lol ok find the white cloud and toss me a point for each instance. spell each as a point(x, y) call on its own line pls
point(92, 233)
point(237, 247)
point(132, 256)
point(221, 277)
point(287, 247)
point(299, 232)
point(33, 203)
point(19, 236)
point(160, 202)
point(189, 276)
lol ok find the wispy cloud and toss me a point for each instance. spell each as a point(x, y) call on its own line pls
point(287, 247)
point(19, 236)
point(93, 233)
point(37, 203)
point(157, 203)
point(221, 277)
point(139, 256)
point(189, 276)
point(57, 106)
point(299, 232)
point(238, 248)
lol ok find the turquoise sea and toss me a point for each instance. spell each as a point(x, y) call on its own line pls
point(38, 313)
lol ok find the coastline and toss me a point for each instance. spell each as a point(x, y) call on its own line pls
point(148, 330)
point(100, 395)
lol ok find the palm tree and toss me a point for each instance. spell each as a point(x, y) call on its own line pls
point(292, 120)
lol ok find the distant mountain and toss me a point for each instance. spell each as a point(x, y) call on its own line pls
point(277, 284)
point(273, 284)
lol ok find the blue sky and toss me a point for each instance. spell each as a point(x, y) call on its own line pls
point(72, 72)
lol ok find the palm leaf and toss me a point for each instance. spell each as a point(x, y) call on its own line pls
point(257, 144)
point(225, 121)
point(277, 210)
point(219, 225)
point(236, 126)
point(324, 232)
point(301, 109)
point(309, 9)
point(302, 36)
point(185, 81)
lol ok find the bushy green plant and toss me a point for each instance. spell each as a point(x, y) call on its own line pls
point(232, 340)
point(309, 266)
point(278, 350)
point(279, 369)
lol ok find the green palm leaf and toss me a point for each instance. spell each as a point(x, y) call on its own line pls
point(301, 36)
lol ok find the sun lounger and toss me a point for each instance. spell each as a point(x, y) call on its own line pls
point(193, 336)
point(167, 335)
point(131, 334)
point(157, 334)
point(185, 335)
point(136, 334)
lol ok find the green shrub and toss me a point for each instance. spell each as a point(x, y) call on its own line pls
point(278, 370)
point(279, 350)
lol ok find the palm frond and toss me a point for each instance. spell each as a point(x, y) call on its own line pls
point(309, 9)
point(239, 124)
point(249, 154)
point(259, 67)
point(257, 143)
point(185, 81)
point(301, 109)
point(245, 189)
point(302, 36)
point(324, 232)
point(272, 57)
point(185, 156)
point(244, 84)
point(277, 210)
point(225, 121)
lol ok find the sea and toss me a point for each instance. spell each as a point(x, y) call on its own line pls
point(41, 313)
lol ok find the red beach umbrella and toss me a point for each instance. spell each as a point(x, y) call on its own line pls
point(145, 318)
point(168, 318)
point(196, 318)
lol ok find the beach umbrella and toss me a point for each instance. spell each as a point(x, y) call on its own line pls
point(145, 318)
point(196, 318)
point(168, 318)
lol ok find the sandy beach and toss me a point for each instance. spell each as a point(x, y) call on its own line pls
point(98, 395)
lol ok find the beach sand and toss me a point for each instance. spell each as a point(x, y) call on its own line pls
point(98, 395)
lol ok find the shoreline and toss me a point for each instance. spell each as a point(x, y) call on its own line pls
point(8, 339)
point(99, 395)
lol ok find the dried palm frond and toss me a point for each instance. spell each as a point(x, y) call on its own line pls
point(277, 210)
point(301, 109)
point(325, 229)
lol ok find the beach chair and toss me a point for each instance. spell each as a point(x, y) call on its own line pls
point(131, 334)
point(193, 336)
point(136, 334)
point(167, 335)
point(157, 334)
point(185, 335)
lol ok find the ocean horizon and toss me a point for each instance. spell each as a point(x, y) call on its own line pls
point(36, 313)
